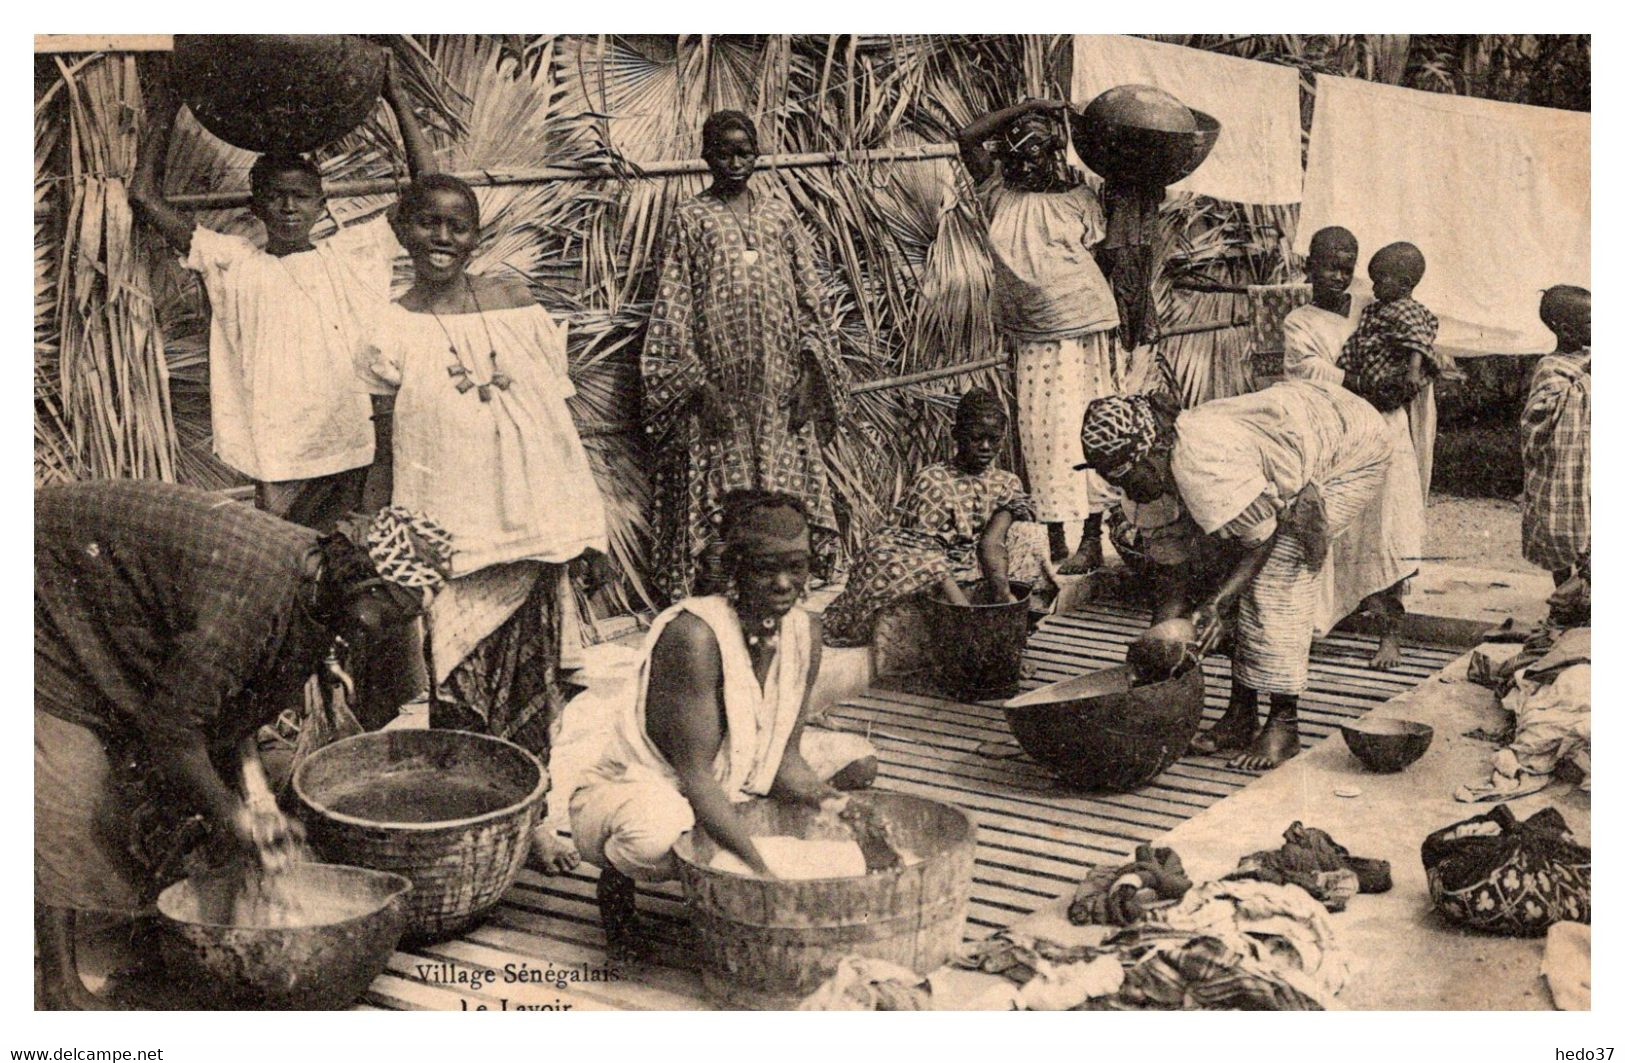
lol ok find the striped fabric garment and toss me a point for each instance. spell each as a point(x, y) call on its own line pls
point(1277, 615)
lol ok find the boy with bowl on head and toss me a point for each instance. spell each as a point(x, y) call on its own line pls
point(286, 322)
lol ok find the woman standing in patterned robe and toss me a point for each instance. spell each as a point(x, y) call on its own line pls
point(741, 372)
point(955, 520)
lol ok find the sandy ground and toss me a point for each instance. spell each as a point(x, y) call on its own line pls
point(1480, 532)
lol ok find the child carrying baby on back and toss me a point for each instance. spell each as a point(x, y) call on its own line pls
point(1390, 358)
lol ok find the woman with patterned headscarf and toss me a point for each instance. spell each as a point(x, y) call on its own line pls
point(1054, 306)
point(742, 372)
point(1280, 472)
point(169, 626)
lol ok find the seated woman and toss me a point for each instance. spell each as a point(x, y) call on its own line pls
point(954, 521)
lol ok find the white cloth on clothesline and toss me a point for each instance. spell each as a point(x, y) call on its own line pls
point(1497, 196)
point(1258, 157)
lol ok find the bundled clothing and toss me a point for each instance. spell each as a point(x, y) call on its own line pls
point(739, 309)
point(1057, 312)
point(861, 983)
point(1118, 896)
point(160, 612)
point(1519, 878)
point(1222, 946)
point(483, 438)
point(1312, 860)
point(941, 522)
point(1549, 702)
point(1554, 434)
point(283, 332)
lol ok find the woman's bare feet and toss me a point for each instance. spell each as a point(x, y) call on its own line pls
point(1388, 655)
point(551, 853)
point(1276, 743)
point(1233, 731)
point(1085, 560)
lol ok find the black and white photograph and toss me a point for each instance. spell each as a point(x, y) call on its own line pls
point(812, 522)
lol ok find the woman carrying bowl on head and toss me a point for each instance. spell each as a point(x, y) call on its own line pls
point(1281, 472)
point(1053, 305)
point(483, 438)
point(954, 523)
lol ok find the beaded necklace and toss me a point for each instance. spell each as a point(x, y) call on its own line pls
point(460, 371)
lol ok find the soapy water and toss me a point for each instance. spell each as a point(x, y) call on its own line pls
point(830, 851)
point(792, 858)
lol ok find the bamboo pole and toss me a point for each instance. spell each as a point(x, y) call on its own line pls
point(927, 375)
point(632, 172)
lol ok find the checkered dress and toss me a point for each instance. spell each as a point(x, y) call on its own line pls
point(1555, 433)
point(163, 610)
point(1376, 360)
point(941, 522)
point(739, 304)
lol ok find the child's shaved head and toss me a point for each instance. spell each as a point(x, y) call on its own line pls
point(1396, 270)
point(1566, 310)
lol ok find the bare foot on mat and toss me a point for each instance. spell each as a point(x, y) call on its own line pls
point(551, 853)
point(1233, 731)
point(1388, 654)
point(1278, 742)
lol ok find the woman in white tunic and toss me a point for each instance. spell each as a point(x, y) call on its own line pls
point(481, 434)
point(1284, 471)
point(1372, 563)
point(1053, 305)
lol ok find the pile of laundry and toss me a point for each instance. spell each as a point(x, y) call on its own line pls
point(1545, 693)
point(1148, 938)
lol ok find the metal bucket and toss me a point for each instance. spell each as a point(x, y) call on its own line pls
point(769, 943)
point(978, 648)
point(1097, 732)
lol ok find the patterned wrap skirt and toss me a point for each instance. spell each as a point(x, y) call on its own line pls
point(1055, 380)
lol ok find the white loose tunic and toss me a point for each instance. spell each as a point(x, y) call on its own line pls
point(283, 336)
point(508, 477)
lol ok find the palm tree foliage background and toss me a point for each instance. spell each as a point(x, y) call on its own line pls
point(120, 338)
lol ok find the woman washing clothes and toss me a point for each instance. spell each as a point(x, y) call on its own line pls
point(482, 437)
point(742, 371)
point(170, 625)
point(1282, 472)
point(954, 523)
point(717, 717)
point(1372, 562)
point(1054, 306)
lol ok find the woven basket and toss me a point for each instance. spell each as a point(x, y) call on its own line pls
point(459, 868)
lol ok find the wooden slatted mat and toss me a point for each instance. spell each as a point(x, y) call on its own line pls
point(1035, 839)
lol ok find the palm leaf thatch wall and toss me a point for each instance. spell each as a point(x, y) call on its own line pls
point(121, 331)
